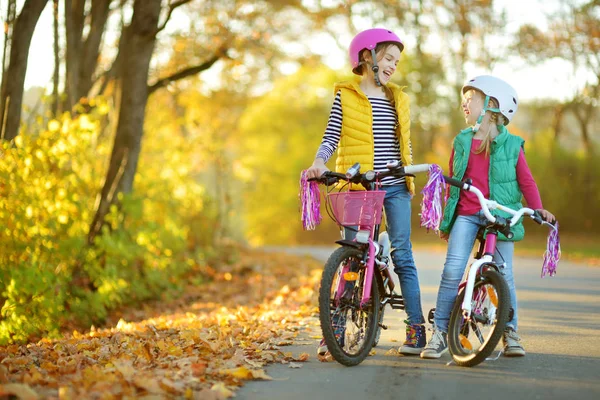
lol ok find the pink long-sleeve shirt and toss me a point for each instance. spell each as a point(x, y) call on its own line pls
point(478, 170)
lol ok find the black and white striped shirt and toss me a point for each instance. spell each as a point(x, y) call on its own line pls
point(385, 120)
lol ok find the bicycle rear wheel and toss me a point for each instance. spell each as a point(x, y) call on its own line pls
point(349, 330)
point(472, 340)
point(379, 325)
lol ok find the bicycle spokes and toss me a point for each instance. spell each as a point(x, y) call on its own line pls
point(349, 329)
point(477, 328)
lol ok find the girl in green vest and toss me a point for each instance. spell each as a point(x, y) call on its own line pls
point(495, 161)
point(370, 124)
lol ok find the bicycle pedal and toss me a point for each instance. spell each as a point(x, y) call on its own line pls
point(383, 326)
point(396, 302)
point(431, 315)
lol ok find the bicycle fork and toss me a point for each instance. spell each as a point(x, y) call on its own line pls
point(488, 252)
point(466, 305)
point(346, 275)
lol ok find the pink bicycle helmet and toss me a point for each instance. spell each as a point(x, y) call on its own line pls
point(368, 40)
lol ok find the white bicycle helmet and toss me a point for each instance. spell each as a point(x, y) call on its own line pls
point(505, 95)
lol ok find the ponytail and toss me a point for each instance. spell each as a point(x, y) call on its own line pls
point(496, 119)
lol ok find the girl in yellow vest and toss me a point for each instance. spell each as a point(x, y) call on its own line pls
point(495, 162)
point(370, 124)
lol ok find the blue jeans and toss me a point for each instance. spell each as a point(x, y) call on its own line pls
point(460, 245)
point(397, 212)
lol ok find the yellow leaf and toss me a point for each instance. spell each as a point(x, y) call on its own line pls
point(221, 390)
point(23, 392)
point(148, 384)
point(302, 357)
point(246, 374)
point(125, 368)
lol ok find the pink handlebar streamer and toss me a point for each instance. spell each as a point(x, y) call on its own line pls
point(311, 202)
point(431, 205)
point(552, 254)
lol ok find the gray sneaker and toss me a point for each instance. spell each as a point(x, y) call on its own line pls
point(438, 345)
point(512, 347)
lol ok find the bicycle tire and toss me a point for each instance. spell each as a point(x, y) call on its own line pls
point(354, 348)
point(382, 295)
point(379, 323)
point(485, 314)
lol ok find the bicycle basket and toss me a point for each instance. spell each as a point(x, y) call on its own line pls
point(362, 208)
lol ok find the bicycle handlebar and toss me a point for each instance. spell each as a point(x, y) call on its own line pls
point(487, 205)
point(365, 179)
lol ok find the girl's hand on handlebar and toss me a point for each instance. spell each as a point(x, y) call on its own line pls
point(316, 169)
point(547, 215)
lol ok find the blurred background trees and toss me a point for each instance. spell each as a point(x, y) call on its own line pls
point(170, 130)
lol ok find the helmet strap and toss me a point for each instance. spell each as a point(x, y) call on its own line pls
point(483, 111)
point(375, 67)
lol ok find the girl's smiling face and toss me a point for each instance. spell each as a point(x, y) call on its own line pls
point(472, 105)
point(387, 61)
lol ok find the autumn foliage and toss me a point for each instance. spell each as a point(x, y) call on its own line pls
point(203, 345)
point(49, 276)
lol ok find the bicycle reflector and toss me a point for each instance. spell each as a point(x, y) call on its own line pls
point(363, 236)
point(492, 294)
point(464, 342)
point(351, 276)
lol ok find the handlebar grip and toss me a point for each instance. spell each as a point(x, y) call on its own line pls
point(328, 178)
point(454, 182)
point(537, 217)
point(414, 169)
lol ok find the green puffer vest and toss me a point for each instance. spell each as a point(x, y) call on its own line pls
point(504, 188)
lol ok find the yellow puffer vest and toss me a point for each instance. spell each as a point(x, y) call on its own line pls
point(356, 141)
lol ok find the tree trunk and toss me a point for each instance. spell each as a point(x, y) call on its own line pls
point(136, 51)
point(14, 80)
point(74, 21)
point(91, 46)
point(56, 77)
point(8, 25)
point(557, 121)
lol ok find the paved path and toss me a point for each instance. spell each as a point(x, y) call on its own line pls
point(559, 321)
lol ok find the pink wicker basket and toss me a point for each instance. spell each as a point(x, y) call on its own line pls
point(362, 208)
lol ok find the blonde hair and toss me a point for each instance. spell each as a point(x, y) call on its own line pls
point(495, 120)
point(380, 50)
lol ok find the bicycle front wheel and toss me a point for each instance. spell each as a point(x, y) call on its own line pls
point(348, 329)
point(472, 340)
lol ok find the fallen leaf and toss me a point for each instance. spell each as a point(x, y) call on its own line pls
point(302, 357)
point(392, 352)
point(198, 369)
point(148, 384)
point(23, 392)
point(222, 391)
point(125, 368)
point(3, 374)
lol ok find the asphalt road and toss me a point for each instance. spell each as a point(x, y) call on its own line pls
point(559, 322)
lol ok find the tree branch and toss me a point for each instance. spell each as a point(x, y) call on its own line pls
point(172, 6)
point(187, 72)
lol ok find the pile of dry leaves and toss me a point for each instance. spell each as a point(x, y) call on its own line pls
point(204, 345)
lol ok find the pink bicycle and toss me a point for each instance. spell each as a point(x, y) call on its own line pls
point(356, 284)
point(482, 307)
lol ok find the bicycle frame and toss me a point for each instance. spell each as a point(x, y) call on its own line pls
point(369, 266)
point(369, 256)
point(490, 240)
point(490, 245)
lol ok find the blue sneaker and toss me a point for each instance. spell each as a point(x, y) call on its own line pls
point(437, 346)
point(415, 339)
